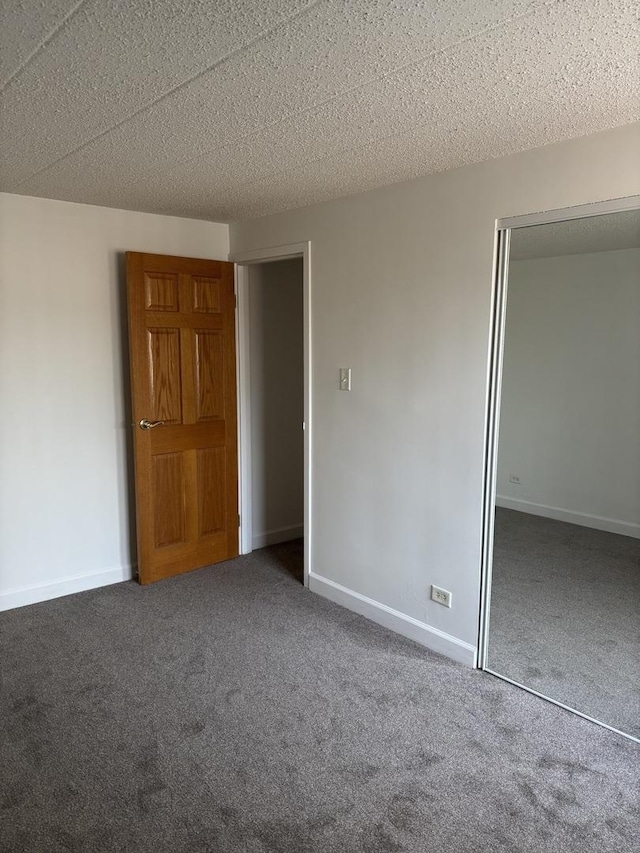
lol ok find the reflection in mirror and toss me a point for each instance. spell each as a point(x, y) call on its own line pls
point(565, 588)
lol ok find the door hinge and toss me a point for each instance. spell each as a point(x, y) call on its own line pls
point(238, 519)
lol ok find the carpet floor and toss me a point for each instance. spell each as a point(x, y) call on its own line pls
point(232, 710)
point(565, 615)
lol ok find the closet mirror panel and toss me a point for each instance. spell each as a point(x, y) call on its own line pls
point(564, 616)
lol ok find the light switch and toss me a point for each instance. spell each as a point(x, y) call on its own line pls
point(345, 379)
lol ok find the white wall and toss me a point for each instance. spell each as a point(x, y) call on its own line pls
point(570, 412)
point(277, 401)
point(401, 282)
point(64, 499)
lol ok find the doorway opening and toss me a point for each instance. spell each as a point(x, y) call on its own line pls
point(274, 404)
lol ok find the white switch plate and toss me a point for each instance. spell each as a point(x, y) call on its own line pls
point(345, 379)
point(442, 596)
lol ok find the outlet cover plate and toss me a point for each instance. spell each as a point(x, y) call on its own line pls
point(441, 596)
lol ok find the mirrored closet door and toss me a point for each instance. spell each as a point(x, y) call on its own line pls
point(562, 520)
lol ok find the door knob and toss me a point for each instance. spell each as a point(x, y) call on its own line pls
point(145, 424)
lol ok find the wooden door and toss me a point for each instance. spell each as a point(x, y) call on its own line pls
point(183, 387)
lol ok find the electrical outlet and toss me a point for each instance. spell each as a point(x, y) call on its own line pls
point(442, 596)
point(515, 478)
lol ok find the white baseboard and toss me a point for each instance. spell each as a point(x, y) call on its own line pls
point(35, 593)
point(281, 534)
point(409, 627)
point(610, 525)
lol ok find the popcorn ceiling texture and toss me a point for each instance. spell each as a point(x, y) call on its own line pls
point(234, 109)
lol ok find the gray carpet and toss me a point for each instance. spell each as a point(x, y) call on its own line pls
point(565, 615)
point(232, 710)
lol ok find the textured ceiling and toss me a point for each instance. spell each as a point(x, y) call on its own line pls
point(604, 233)
point(225, 109)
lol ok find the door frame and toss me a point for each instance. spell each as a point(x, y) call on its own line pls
point(243, 260)
point(503, 229)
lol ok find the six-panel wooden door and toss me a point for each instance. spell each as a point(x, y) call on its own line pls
point(183, 387)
